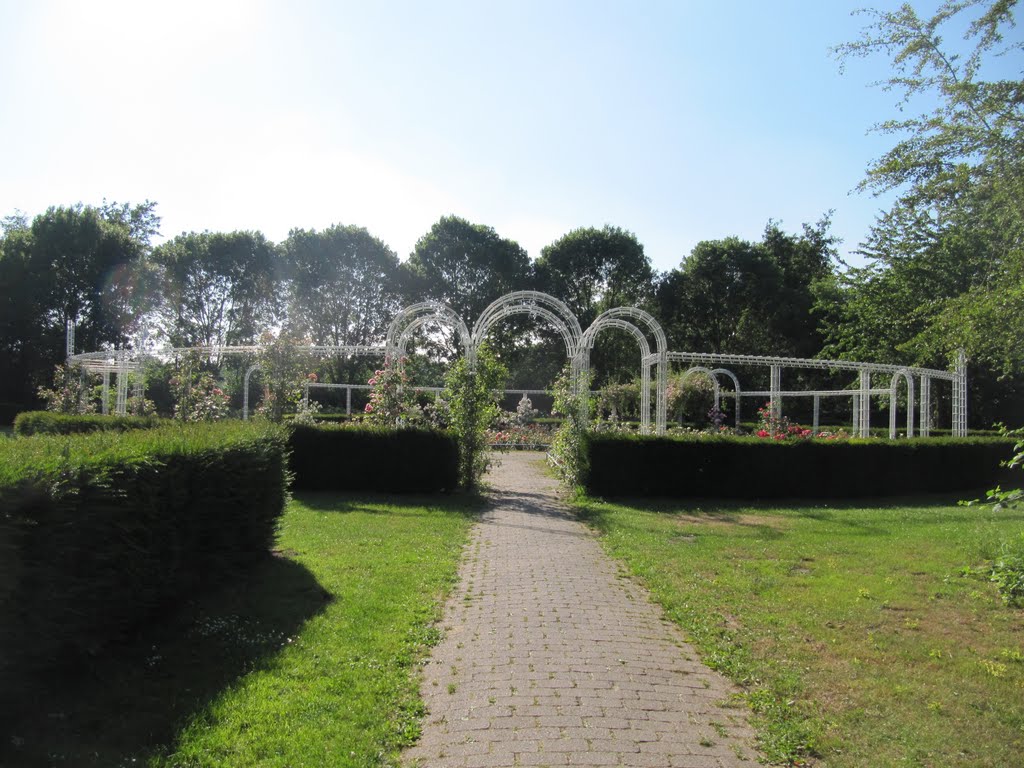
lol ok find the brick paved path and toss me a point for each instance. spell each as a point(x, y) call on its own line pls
point(551, 657)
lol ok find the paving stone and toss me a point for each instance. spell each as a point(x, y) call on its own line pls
point(556, 659)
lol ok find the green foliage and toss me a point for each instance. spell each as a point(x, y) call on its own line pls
point(946, 261)
point(568, 448)
point(618, 401)
point(283, 371)
point(218, 288)
point(197, 395)
point(466, 266)
point(100, 531)
point(77, 263)
point(344, 287)
point(472, 410)
point(392, 399)
point(336, 457)
point(72, 392)
point(1007, 571)
point(592, 270)
point(29, 423)
point(750, 467)
point(735, 296)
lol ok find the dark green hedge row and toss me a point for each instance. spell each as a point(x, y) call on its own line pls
point(48, 423)
point(332, 457)
point(751, 467)
point(98, 532)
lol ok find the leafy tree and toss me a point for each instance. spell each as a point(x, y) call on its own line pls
point(947, 260)
point(472, 410)
point(69, 264)
point(218, 288)
point(343, 289)
point(592, 270)
point(466, 266)
point(749, 298)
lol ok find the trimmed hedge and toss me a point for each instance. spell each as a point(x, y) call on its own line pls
point(333, 457)
point(751, 467)
point(99, 532)
point(49, 423)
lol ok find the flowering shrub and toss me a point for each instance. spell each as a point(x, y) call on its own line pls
point(523, 436)
point(776, 427)
point(283, 371)
point(71, 391)
point(472, 410)
point(392, 400)
point(197, 396)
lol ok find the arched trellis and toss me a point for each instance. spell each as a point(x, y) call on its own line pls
point(417, 315)
point(908, 378)
point(699, 369)
point(635, 321)
point(737, 392)
point(534, 304)
point(587, 343)
point(658, 358)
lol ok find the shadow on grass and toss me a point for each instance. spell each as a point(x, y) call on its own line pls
point(337, 502)
point(129, 703)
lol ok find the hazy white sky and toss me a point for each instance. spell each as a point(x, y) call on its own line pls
point(680, 121)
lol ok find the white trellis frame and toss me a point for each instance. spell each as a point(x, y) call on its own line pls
point(416, 316)
point(578, 344)
point(700, 369)
point(737, 392)
point(620, 317)
point(587, 343)
point(534, 304)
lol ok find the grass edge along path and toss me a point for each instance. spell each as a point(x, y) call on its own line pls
point(310, 660)
point(863, 634)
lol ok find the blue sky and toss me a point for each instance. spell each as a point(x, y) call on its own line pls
point(680, 121)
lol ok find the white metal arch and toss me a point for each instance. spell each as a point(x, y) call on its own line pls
point(658, 358)
point(435, 310)
point(737, 392)
point(534, 303)
point(700, 369)
point(587, 343)
point(909, 379)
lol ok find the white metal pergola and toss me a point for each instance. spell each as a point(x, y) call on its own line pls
point(644, 329)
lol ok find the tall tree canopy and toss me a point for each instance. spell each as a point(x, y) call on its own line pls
point(594, 269)
point(74, 263)
point(467, 266)
point(946, 262)
point(219, 288)
point(343, 288)
point(735, 296)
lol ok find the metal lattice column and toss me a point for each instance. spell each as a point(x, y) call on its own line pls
point(960, 396)
point(775, 387)
point(105, 399)
point(817, 413)
point(864, 404)
point(245, 391)
point(925, 427)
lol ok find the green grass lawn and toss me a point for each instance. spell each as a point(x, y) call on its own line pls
point(856, 631)
point(309, 661)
